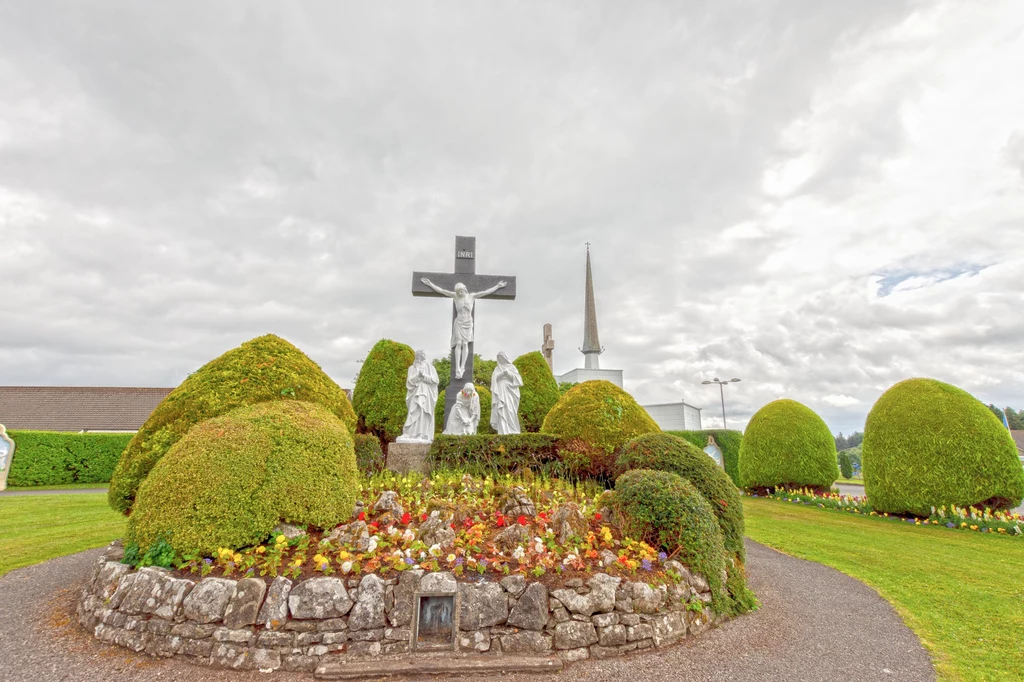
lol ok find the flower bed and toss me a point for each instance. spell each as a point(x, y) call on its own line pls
point(953, 517)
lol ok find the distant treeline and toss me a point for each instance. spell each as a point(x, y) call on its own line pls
point(1015, 418)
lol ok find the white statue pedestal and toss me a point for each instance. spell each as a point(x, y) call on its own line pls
point(406, 458)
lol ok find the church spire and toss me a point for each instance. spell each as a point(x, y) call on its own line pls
point(591, 345)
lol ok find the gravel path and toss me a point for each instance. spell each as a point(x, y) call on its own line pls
point(814, 624)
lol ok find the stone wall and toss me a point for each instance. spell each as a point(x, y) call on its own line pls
point(248, 623)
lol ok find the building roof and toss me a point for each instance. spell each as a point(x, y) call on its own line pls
point(1018, 437)
point(77, 408)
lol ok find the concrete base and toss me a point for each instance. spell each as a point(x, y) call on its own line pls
point(406, 458)
point(422, 665)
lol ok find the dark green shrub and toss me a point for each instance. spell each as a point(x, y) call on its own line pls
point(369, 455)
point(483, 428)
point(729, 442)
point(232, 478)
point(379, 393)
point(494, 455)
point(666, 511)
point(787, 444)
point(600, 413)
point(579, 460)
point(482, 371)
point(55, 458)
point(665, 452)
point(929, 444)
point(845, 465)
point(539, 392)
point(267, 368)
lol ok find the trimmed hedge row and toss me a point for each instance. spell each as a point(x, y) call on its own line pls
point(490, 455)
point(55, 458)
point(729, 442)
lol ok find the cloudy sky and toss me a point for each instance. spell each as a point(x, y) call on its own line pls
point(819, 198)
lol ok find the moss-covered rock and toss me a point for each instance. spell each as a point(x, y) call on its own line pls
point(667, 511)
point(728, 441)
point(232, 478)
point(485, 412)
point(539, 392)
point(928, 444)
point(267, 368)
point(665, 452)
point(379, 393)
point(599, 413)
point(787, 444)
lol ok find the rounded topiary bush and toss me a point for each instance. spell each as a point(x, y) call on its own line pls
point(267, 368)
point(232, 478)
point(667, 511)
point(665, 452)
point(485, 411)
point(787, 444)
point(379, 393)
point(600, 413)
point(539, 392)
point(928, 444)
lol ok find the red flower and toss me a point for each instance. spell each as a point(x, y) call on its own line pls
point(543, 516)
point(375, 524)
point(423, 517)
point(406, 518)
point(521, 520)
point(452, 526)
point(597, 516)
point(362, 516)
point(501, 521)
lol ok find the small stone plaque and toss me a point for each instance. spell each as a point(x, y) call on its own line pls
point(435, 622)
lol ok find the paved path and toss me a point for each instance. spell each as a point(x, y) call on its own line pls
point(814, 624)
point(66, 491)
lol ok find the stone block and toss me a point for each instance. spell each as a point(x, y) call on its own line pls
point(612, 635)
point(266, 659)
point(638, 632)
point(526, 642)
point(443, 582)
point(531, 610)
point(570, 655)
point(231, 656)
point(479, 641)
point(407, 458)
point(364, 648)
point(299, 663)
point(575, 634)
point(481, 605)
point(368, 612)
point(270, 638)
point(237, 636)
point(514, 585)
point(208, 600)
point(319, 598)
point(274, 611)
point(244, 605)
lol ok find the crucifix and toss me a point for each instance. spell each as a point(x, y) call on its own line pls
point(463, 286)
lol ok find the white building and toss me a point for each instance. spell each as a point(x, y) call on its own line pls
point(675, 416)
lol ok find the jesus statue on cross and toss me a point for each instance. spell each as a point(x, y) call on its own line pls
point(462, 325)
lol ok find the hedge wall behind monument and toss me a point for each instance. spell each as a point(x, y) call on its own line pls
point(729, 442)
point(379, 393)
point(55, 458)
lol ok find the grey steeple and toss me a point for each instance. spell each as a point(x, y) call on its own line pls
point(591, 344)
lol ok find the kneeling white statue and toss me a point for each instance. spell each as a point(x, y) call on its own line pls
point(464, 417)
point(420, 398)
point(505, 384)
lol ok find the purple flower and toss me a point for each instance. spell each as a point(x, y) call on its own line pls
point(207, 561)
point(409, 560)
point(662, 556)
point(950, 524)
point(646, 564)
point(483, 562)
point(459, 561)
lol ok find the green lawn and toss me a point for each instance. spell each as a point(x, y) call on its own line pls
point(851, 481)
point(61, 486)
point(961, 592)
point(40, 527)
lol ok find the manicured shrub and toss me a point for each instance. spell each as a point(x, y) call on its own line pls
point(665, 452)
point(493, 455)
point(55, 458)
point(729, 442)
point(232, 478)
point(600, 413)
point(845, 464)
point(379, 393)
point(369, 455)
point(267, 368)
point(929, 444)
point(667, 511)
point(579, 460)
point(483, 428)
point(539, 392)
point(787, 444)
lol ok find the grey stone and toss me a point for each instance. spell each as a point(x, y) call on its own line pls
point(601, 598)
point(265, 659)
point(699, 583)
point(398, 634)
point(274, 611)
point(163, 645)
point(145, 586)
point(368, 612)
point(319, 598)
point(669, 628)
point(238, 636)
point(270, 638)
point(321, 649)
point(190, 630)
point(208, 600)
point(288, 530)
point(245, 603)
point(699, 622)
point(334, 637)
point(607, 558)
point(159, 626)
point(349, 534)
point(299, 663)
point(366, 635)
point(443, 582)
point(481, 605)
point(531, 611)
point(598, 651)
point(301, 625)
point(200, 648)
point(307, 638)
point(364, 648)
point(395, 648)
point(574, 634)
point(388, 502)
point(480, 640)
point(629, 618)
point(511, 537)
point(571, 655)
point(646, 599)
point(173, 593)
point(108, 577)
point(645, 644)
point(613, 635)
point(526, 642)
point(332, 625)
point(436, 531)
point(230, 656)
point(638, 632)
point(514, 584)
point(568, 522)
point(515, 503)
point(603, 620)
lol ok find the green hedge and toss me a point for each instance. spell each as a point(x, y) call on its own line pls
point(787, 444)
point(729, 442)
point(369, 455)
point(379, 394)
point(928, 444)
point(667, 452)
point(539, 392)
point(267, 368)
point(55, 458)
point(232, 478)
point(599, 413)
point(494, 455)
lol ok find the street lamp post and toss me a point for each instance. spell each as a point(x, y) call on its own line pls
point(721, 392)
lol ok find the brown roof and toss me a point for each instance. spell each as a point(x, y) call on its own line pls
point(1018, 437)
point(77, 408)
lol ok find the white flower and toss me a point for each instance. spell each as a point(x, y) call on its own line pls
point(569, 558)
point(346, 567)
point(451, 558)
point(392, 530)
point(372, 547)
point(519, 553)
point(435, 550)
point(408, 535)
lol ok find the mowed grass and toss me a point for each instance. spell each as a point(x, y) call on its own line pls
point(961, 592)
point(61, 486)
point(35, 528)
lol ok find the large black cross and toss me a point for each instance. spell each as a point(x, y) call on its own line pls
point(465, 272)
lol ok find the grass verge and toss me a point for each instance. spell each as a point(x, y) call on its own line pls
point(960, 592)
point(40, 527)
point(62, 486)
point(851, 481)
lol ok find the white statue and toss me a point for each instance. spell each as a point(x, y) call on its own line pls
point(505, 383)
point(462, 327)
point(464, 417)
point(420, 398)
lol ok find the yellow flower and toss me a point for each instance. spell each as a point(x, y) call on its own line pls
point(343, 555)
point(297, 562)
point(1002, 530)
point(963, 525)
point(973, 527)
point(281, 539)
point(261, 549)
point(237, 558)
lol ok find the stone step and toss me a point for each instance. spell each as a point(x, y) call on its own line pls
point(433, 665)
